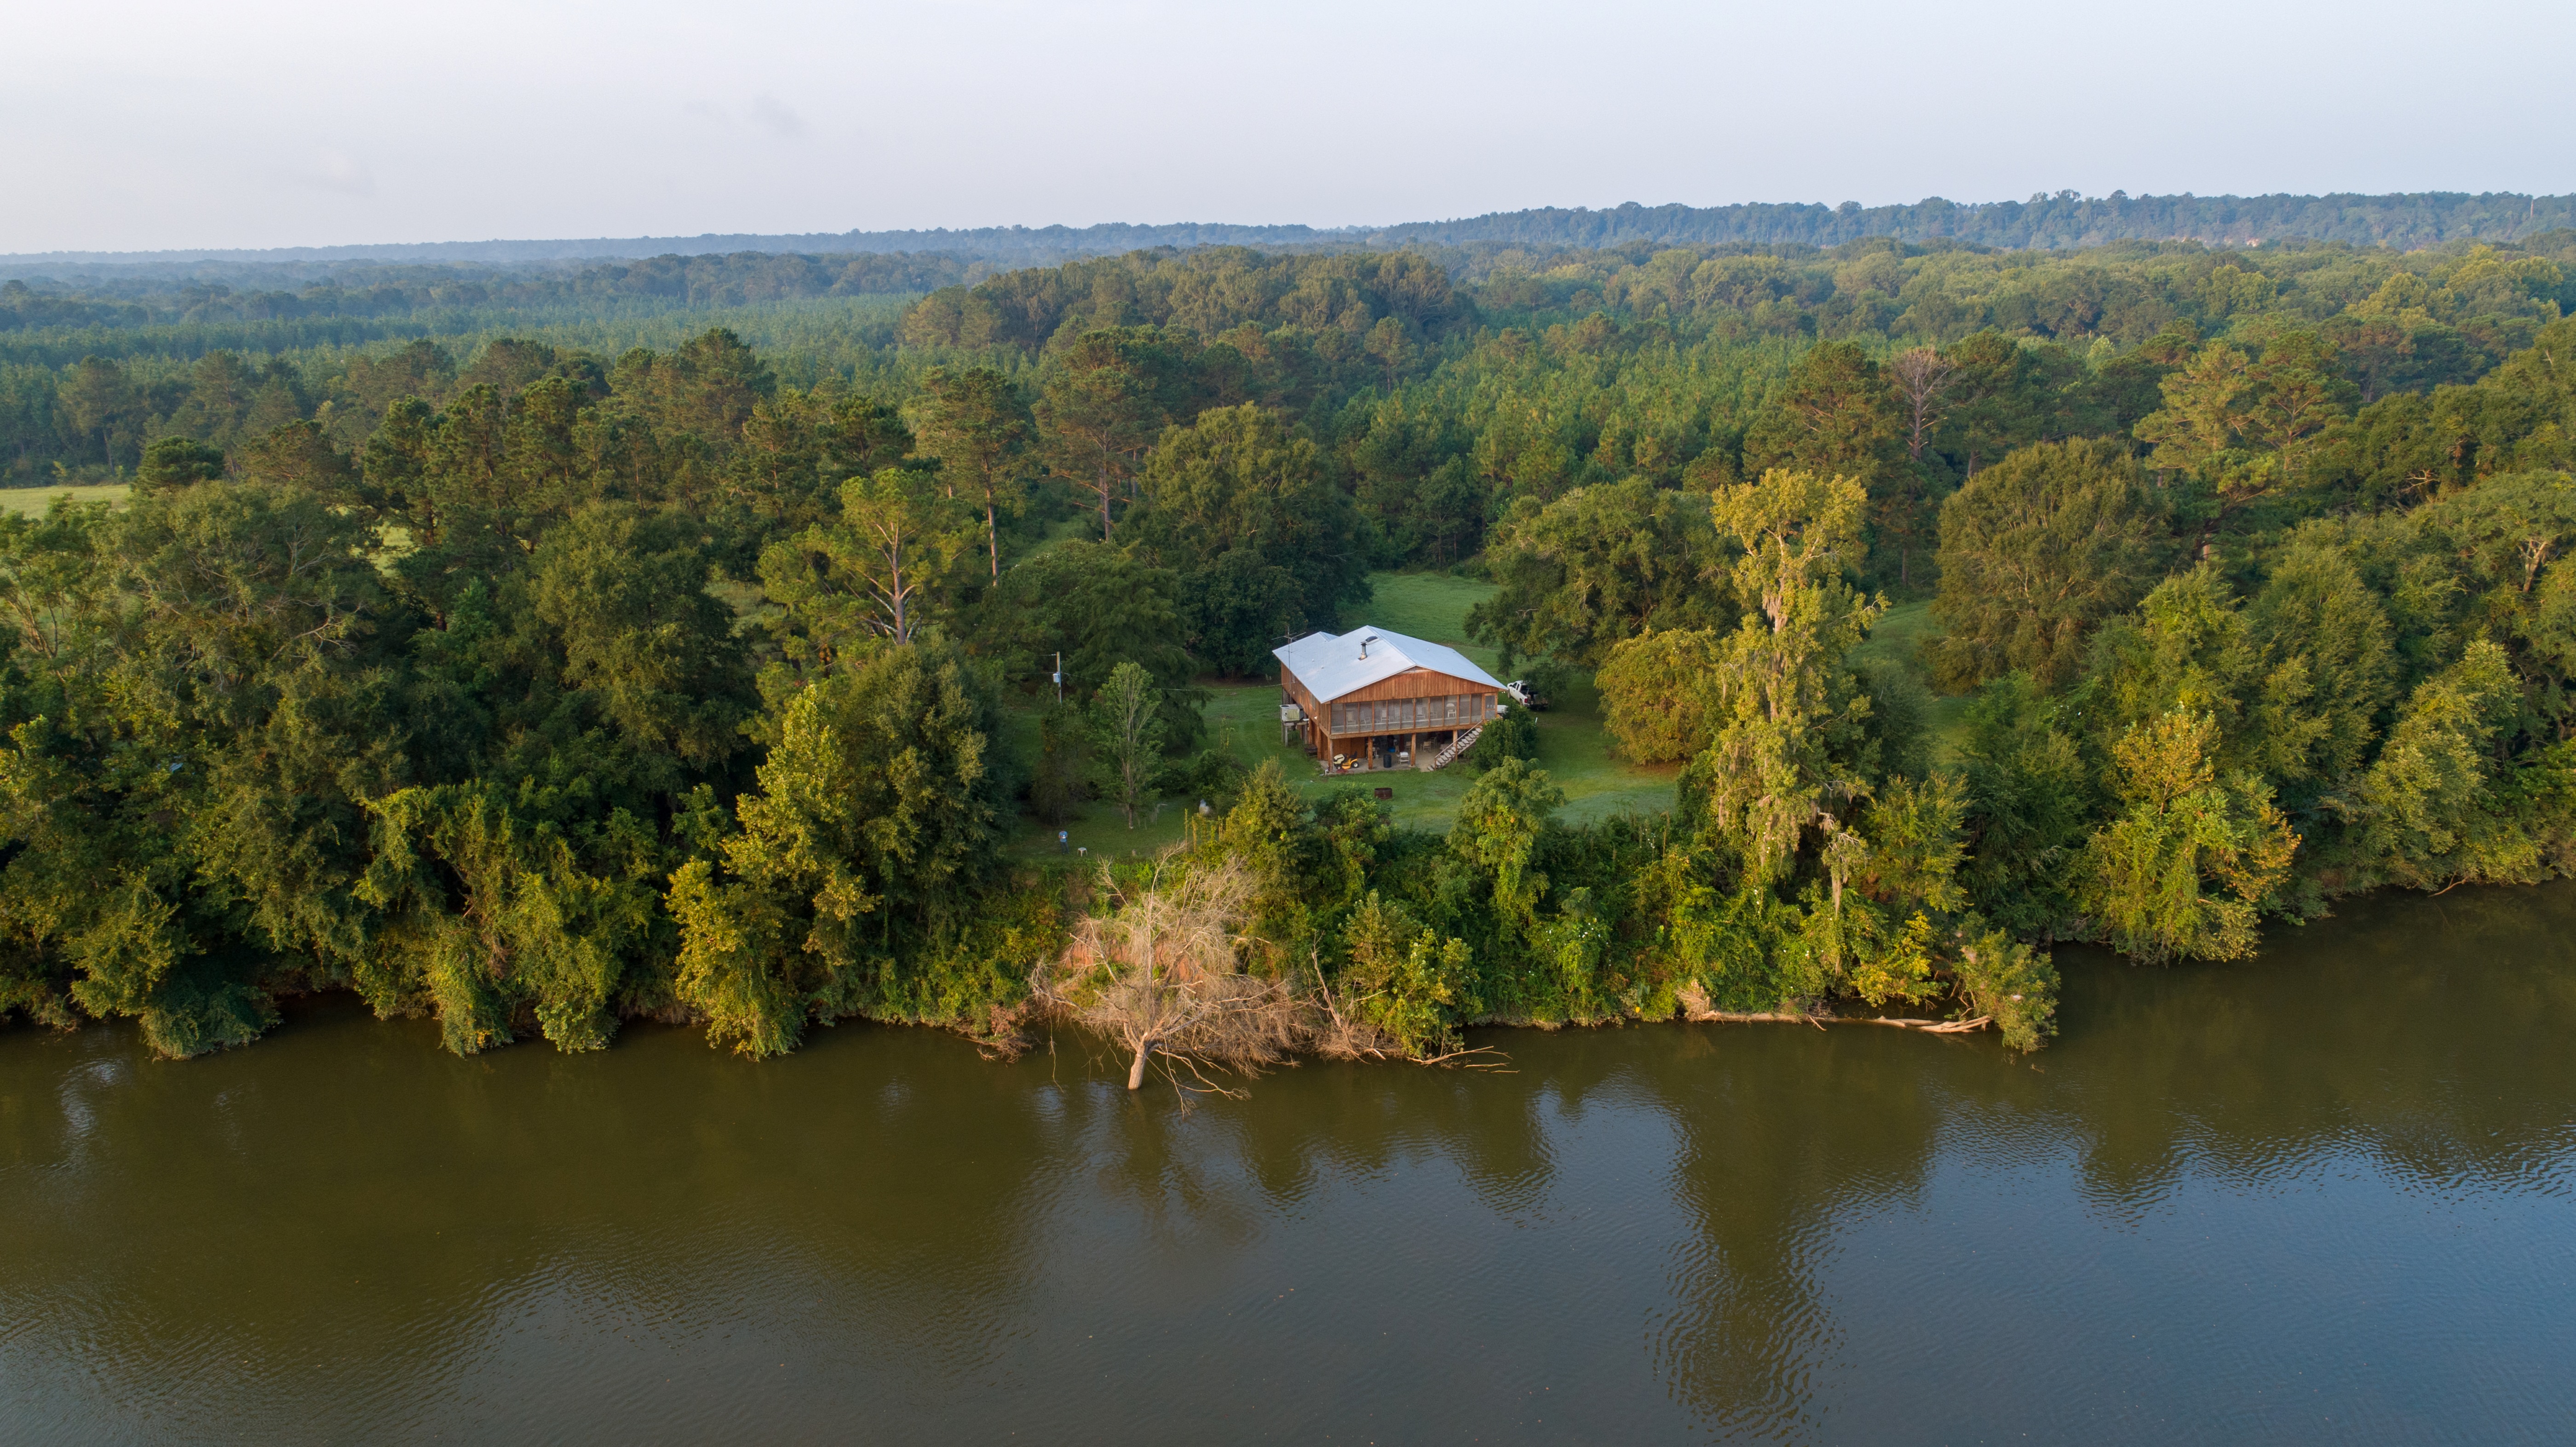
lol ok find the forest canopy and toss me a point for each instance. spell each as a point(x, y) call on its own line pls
point(536, 681)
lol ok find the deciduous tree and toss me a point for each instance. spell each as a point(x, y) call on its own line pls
point(2185, 870)
point(1127, 731)
point(2036, 552)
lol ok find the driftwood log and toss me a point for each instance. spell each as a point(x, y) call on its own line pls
point(1792, 1017)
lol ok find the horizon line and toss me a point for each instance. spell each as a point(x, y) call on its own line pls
point(1282, 230)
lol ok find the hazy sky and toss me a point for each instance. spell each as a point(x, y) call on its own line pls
point(131, 124)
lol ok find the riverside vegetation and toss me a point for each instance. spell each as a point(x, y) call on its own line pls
point(532, 687)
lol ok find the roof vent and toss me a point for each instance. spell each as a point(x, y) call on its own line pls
point(1364, 643)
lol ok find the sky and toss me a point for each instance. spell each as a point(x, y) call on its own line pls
point(142, 124)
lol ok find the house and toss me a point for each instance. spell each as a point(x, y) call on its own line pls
point(1374, 699)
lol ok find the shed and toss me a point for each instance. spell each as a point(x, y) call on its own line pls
point(1373, 699)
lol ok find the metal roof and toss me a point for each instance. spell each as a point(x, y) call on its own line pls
point(1331, 666)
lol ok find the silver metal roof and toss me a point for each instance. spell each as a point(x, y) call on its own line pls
point(1331, 666)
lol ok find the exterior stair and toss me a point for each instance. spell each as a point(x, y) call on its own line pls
point(1442, 759)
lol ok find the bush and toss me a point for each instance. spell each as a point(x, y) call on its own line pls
point(1403, 979)
point(1512, 735)
point(2011, 983)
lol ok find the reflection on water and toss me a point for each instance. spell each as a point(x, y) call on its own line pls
point(2324, 1195)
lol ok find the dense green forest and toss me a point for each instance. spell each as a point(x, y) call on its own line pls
point(620, 667)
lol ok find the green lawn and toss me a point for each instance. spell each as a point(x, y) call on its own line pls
point(1432, 606)
point(32, 501)
point(1243, 720)
point(1899, 639)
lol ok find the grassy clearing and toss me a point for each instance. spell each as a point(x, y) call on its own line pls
point(1243, 721)
point(32, 501)
point(1899, 639)
point(1431, 606)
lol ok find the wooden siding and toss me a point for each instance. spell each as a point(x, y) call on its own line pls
point(1298, 693)
point(1476, 706)
point(1413, 683)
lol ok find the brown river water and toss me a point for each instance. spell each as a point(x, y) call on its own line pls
point(2328, 1195)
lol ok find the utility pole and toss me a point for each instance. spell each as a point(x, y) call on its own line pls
point(1059, 675)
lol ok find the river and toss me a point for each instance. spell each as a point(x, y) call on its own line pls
point(2326, 1195)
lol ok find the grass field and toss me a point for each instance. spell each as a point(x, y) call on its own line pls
point(1431, 606)
point(32, 501)
point(1243, 720)
point(1899, 639)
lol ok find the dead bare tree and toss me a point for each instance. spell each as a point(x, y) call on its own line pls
point(1160, 971)
point(1341, 1035)
point(1922, 377)
point(1338, 1033)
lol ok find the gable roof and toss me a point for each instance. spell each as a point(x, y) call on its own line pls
point(1330, 666)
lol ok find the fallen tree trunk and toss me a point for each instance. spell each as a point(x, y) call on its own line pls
point(1792, 1017)
point(1928, 1027)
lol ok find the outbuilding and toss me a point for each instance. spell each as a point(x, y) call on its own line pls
point(1374, 699)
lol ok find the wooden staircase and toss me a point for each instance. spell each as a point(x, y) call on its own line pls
point(1457, 746)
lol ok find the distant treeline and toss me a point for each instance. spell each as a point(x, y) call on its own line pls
point(88, 379)
point(2066, 219)
point(221, 292)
